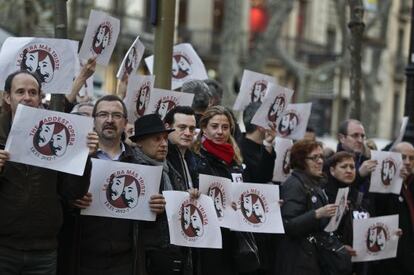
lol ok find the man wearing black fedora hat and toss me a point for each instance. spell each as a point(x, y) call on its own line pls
point(162, 258)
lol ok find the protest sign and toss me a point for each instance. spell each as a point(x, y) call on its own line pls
point(186, 65)
point(130, 63)
point(340, 201)
point(123, 190)
point(386, 176)
point(281, 169)
point(219, 189)
point(294, 121)
point(274, 104)
point(162, 101)
point(100, 37)
point(49, 139)
point(375, 238)
point(138, 95)
point(258, 208)
point(192, 222)
point(253, 88)
point(53, 60)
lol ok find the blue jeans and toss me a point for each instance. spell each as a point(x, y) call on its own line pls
point(18, 262)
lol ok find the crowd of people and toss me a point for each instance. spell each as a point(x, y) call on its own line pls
point(42, 231)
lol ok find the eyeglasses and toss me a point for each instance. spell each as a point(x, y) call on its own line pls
point(315, 158)
point(105, 115)
point(410, 158)
point(356, 136)
point(182, 128)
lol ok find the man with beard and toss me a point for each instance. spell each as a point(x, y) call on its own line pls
point(30, 215)
point(102, 245)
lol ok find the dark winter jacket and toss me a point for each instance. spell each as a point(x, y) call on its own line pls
point(301, 195)
point(100, 243)
point(30, 200)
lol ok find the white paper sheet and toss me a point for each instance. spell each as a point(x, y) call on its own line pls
point(138, 95)
point(162, 101)
point(375, 238)
point(281, 170)
point(341, 201)
point(186, 65)
point(191, 222)
point(294, 121)
point(100, 37)
point(253, 87)
point(219, 189)
point(49, 139)
point(258, 208)
point(132, 58)
point(386, 176)
point(123, 190)
point(53, 60)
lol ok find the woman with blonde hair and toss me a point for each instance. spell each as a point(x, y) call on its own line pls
point(218, 155)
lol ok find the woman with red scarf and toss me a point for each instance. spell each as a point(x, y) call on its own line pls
point(220, 156)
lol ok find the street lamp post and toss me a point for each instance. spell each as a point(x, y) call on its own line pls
point(409, 92)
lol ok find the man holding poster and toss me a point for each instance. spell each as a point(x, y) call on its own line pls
point(103, 245)
point(30, 196)
point(403, 205)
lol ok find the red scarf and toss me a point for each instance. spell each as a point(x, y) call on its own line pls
point(222, 151)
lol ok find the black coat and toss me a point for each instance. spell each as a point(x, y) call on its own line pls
point(301, 195)
point(259, 162)
point(99, 242)
point(217, 261)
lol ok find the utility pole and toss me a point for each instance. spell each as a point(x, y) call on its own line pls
point(164, 39)
point(356, 26)
point(57, 101)
point(409, 91)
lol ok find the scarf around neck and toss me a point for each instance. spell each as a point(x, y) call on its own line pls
point(224, 151)
point(144, 159)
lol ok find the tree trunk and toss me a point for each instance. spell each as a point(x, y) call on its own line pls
point(230, 50)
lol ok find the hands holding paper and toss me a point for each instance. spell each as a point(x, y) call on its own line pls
point(92, 141)
point(326, 211)
point(157, 203)
point(367, 167)
point(4, 156)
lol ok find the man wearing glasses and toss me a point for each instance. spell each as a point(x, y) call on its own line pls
point(351, 136)
point(103, 245)
point(182, 119)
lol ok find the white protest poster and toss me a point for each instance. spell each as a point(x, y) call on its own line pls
point(375, 238)
point(138, 95)
point(219, 189)
point(258, 208)
point(53, 60)
point(192, 222)
point(253, 87)
point(341, 199)
point(100, 37)
point(132, 58)
point(49, 139)
point(123, 190)
point(294, 121)
point(281, 170)
point(162, 101)
point(404, 123)
point(386, 176)
point(274, 104)
point(186, 65)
